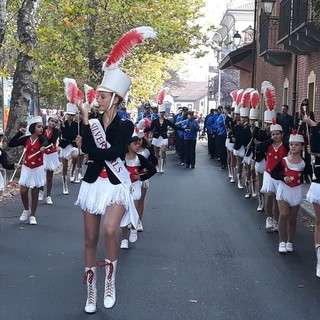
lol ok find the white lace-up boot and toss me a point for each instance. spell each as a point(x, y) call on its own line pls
point(240, 186)
point(232, 179)
point(65, 185)
point(110, 284)
point(254, 188)
point(161, 169)
point(248, 193)
point(261, 202)
point(90, 279)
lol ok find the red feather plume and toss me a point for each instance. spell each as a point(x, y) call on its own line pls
point(254, 99)
point(270, 98)
point(129, 40)
point(161, 96)
point(239, 96)
point(245, 99)
point(71, 90)
point(91, 95)
point(123, 46)
point(274, 121)
point(233, 95)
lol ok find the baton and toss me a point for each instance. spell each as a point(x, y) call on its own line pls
point(34, 154)
point(15, 170)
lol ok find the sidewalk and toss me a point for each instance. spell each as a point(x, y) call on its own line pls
point(306, 208)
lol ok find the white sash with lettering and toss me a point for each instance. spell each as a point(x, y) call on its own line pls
point(117, 166)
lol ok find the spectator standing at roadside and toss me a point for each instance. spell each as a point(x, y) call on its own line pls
point(285, 120)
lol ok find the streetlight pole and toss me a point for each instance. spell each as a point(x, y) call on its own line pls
point(219, 78)
point(219, 70)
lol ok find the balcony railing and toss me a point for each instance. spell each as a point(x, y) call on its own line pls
point(269, 29)
point(284, 19)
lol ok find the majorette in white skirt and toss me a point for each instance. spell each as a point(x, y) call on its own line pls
point(51, 161)
point(159, 142)
point(269, 184)
point(96, 197)
point(32, 178)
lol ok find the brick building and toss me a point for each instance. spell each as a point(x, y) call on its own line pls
point(284, 51)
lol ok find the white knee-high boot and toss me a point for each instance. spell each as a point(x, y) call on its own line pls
point(161, 165)
point(318, 260)
point(90, 279)
point(110, 284)
point(65, 185)
point(239, 176)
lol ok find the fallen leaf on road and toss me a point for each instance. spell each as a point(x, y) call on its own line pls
point(300, 286)
point(193, 301)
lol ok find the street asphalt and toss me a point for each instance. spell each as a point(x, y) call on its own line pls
point(204, 255)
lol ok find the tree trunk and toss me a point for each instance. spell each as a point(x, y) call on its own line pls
point(94, 63)
point(3, 16)
point(22, 79)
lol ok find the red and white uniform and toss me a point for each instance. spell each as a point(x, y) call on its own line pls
point(50, 157)
point(134, 167)
point(273, 156)
point(292, 192)
point(32, 171)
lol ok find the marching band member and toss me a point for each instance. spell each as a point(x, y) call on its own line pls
point(254, 128)
point(313, 195)
point(106, 186)
point(239, 135)
point(159, 127)
point(140, 170)
point(69, 132)
point(147, 151)
point(275, 150)
point(261, 135)
point(32, 172)
point(289, 172)
point(191, 127)
point(230, 123)
point(247, 137)
point(50, 156)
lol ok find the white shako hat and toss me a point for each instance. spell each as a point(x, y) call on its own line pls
point(1, 132)
point(71, 108)
point(36, 119)
point(238, 101)
point(54, 116)
point(269, 95)
point(296, 138)
point(275, 126)
point(233, 95)
point(254, 101)
point(245, 103)
point(115, 80)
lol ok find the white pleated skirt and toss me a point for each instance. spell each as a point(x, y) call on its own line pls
point(292, 195)
point(260, 167)
point(159, 142)
point(65, 153)
point(51, 161)
point(146, 184)
point(269, 184)
point(1, 182)
point(239, 153)
point(230, 146)
point(136, 193)
point(32, 178)
point(96, 197)
point(313, 194)
point(248, 159)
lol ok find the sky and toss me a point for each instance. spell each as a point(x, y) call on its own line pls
point(198, 68)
